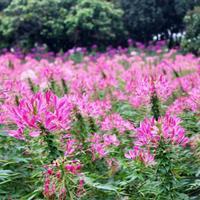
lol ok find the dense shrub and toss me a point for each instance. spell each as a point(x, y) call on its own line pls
point(191, 42)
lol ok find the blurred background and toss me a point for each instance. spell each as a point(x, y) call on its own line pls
point(64, 24)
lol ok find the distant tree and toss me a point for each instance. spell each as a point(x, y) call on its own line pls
point(191, 41)
point(174, 12)
point(61, 24)
point(142, 18)
point(26, 22)
point(96, 21)
point(145, 18)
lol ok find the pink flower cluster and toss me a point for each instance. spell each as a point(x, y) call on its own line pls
point(140, 154)
point(105, 75)
point(100, 143)
point(39, 113)
point(68, 99)
point(151, 132)
point(115, 121)
point(54, 176)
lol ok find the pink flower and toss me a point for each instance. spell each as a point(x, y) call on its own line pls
point(34, 133)
point(133, 154)
point(62, 194)
point(147, 158)
point(73, 168)
point(147, 133)
point(17, 134)
point(50, 171)
point(46, 186)
point(151, 132)
point(80, 189)
point(140, 154)
point(111, 140)
point(96, 138)
point(41, 111)
point(70, 147)
point(172, 131)
point(99, 149)
point(116, 121)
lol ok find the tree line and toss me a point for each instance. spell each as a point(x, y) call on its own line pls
point(62, 24)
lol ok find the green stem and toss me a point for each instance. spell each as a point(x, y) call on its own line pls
point(155, 109)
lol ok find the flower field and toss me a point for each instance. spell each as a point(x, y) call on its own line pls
point(103, 126)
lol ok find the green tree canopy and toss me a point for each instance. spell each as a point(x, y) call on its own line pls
point(60, 24)
point(25, 22)
point(191, 41)
point(95, 21)
point(145, 18)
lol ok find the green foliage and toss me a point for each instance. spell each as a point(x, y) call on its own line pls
point(191, 41)
point(140, 16)
point(174, 176)
point(60, 24)
point(190, 123)
point(147, 18)
point(4, 4)
point(77, 57)
point(174, 12)
point(155, 109)
point(26, 22)
point(132, 114)
point(94, 21)
point(18, 172)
